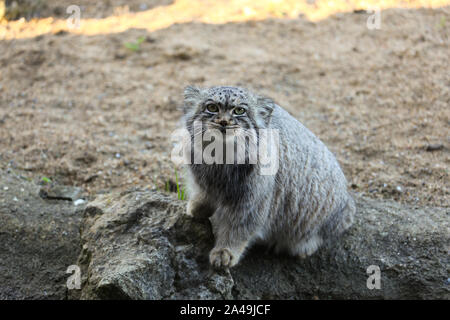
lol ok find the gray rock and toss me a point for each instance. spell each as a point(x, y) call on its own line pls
point(142, 245)
point(39, 239)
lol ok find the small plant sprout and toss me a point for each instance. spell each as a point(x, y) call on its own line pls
point(46, 180)
point(135, 46)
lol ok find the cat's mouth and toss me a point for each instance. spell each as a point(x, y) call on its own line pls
point(223, 129)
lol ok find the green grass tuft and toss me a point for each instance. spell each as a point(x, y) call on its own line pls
point(181, 192)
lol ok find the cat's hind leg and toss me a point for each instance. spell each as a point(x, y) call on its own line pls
point(307, 246)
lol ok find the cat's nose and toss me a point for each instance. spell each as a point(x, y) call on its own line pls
point(223, 123)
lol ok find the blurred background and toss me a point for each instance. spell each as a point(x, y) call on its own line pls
point(90, 90)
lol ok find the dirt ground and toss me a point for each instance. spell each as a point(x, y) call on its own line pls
point(86, 110)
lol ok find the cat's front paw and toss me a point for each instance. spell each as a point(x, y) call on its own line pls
point(198, 210)
point(222, 258)
point(190, 208)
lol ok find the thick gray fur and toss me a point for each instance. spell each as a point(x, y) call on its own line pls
point(302, 207)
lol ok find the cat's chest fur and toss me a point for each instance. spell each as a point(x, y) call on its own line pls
point(225, 182)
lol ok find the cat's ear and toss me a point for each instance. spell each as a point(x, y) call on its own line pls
point(191, 93)
point(191, 97)
point(265, 108)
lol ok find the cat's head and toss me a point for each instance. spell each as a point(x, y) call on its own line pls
point(227, 108)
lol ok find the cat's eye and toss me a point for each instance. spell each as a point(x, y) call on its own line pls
point(212, 108)
point(239, 111)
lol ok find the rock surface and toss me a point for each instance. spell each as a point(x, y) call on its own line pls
point(39, 239)
point(142, 245)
